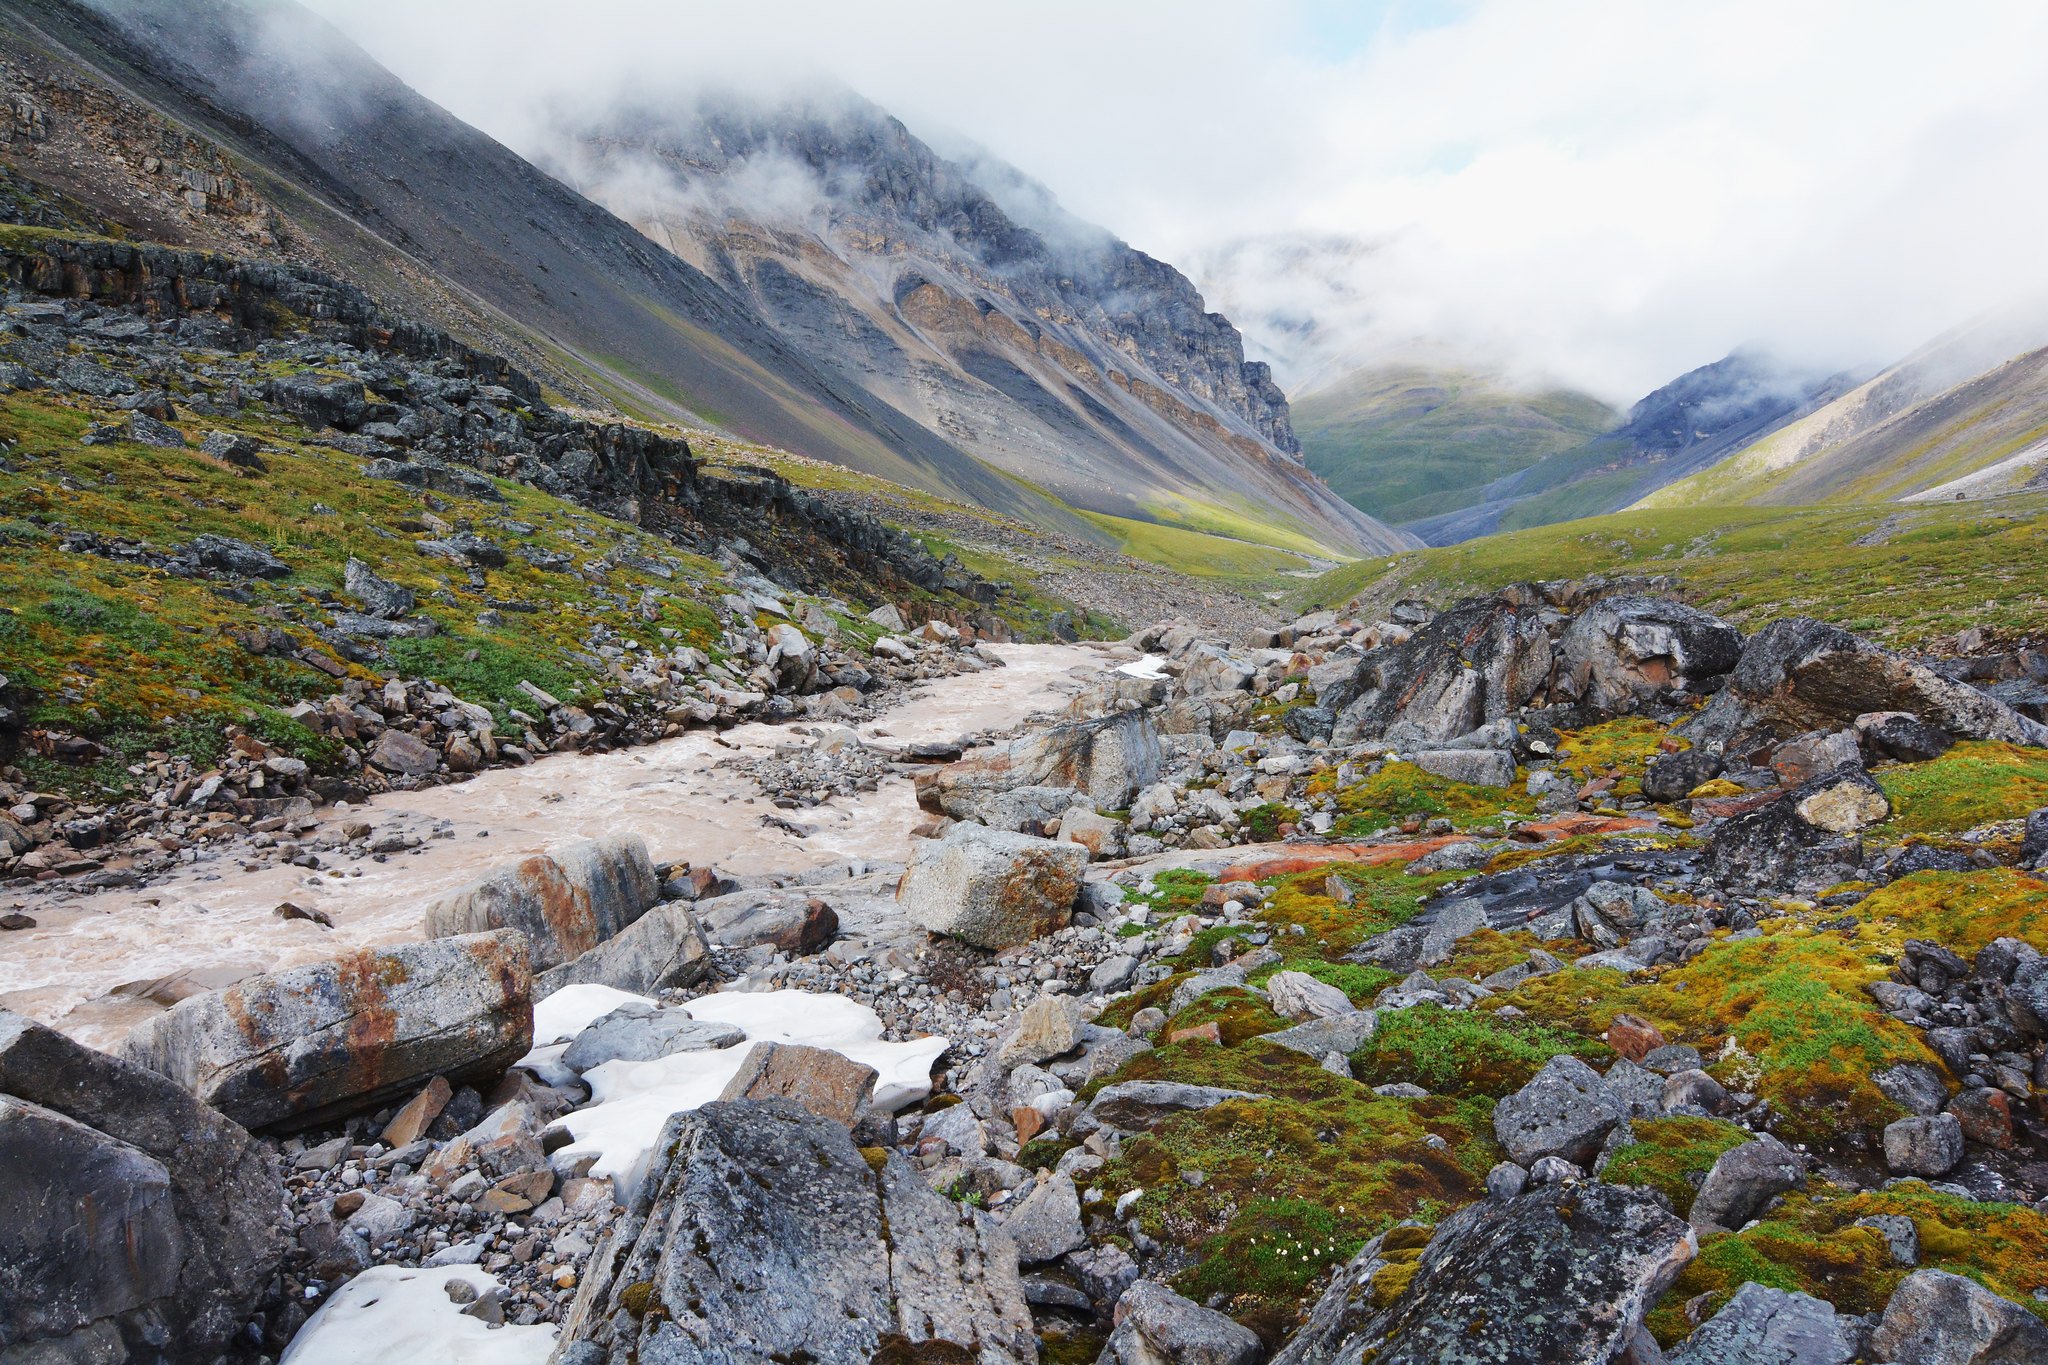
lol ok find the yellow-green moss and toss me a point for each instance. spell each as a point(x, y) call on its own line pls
point(1974, 783)
point(1399, 790)
point(1671, 1155)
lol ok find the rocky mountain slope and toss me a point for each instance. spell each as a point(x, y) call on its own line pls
point(965, 297)
point(1966, 415)
point(1405, 442)
point(215, 125)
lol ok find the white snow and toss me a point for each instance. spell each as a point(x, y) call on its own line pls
point(630, 1101)
point(390, 1314)
point(1151, 666)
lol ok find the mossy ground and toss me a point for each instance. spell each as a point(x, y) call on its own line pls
point(1974, 783)
point(1400, 790)
point(1672, 1155)
point(1465, 1052)
point(1619, 748)
point(141, 661)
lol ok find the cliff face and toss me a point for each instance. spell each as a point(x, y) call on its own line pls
point(961, 294)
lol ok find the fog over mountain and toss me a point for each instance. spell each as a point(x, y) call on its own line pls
point(1600, 193)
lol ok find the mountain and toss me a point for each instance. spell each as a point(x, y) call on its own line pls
point(1965, 415)
point(964, 297)
point(1682, 428)
point(1410, 441)
point(219, 124)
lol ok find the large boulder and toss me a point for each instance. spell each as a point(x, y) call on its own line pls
point(1799, 674)
point(1802, 843)
point(1155, 1326)
point(1477, 662)
point(664, 947)
point(1561, 1275)
point(1764, 1326)
point(1106, 761)
point(1624, 651)
point(306, 1044)
point(765, 1234)
point(136, 1224)
point(1935, 1318)
point(991, 888)
point(1565, 1110)
point(566, 901)
point(1743, 1181)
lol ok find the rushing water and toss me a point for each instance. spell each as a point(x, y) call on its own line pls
point(216, 922)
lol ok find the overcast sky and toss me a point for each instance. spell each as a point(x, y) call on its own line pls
point(1597, 192)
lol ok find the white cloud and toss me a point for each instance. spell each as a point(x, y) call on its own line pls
point(1599, 191)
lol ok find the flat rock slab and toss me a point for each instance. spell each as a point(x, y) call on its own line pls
point(311, 1043)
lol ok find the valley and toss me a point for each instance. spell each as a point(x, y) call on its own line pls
point(715, 732)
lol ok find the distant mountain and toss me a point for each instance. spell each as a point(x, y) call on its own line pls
point(1405, 442)
point(1966, 414)
point(992, 371)
point(1683, 427)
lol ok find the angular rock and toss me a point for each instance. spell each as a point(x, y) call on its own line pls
point(1743, 1182)
point(1047, 1224)
point(1901, 737)
point(1930, 1146)
point(566, 901)
point(1476, 767)
point(1805, 757)
point(1565, 1110)
point(132, 1212)
point(1301, 997)
point(1318, 1038)
point(1049, 1026)
point(1777, 849)
point(663, 948)
point(1842, 802)
point(990, 888)
point(1477, 662)
point(379, 596)
point(1624, 651)
point(403, 755)
point(1136, 1106)
point(765, 1234)
point(1935, 1318)
point(1763, 1326)
point(1561, 1275)
point(638, 1032)
point(1155, 1326)
point(410, 1123)
point(237, 558)
point(305, 1044)
point(822, 1081)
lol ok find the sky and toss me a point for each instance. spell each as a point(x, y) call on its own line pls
point(1586, 192)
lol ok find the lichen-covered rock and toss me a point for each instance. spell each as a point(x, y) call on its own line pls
point(1301, 997)
point(822, 1081)
point(566, 901)
point(294, 1047)
point(1929, 1146)
point(1623, 651)
point(1155, 1326)
point(1104, 762)
point(1935, 1318)
point(764, 1234)
point(991, 888)
point(1742, 1181)
point(1777, 849)
point(1565, 1110)
point(1560, 1275)
point(132, 1217)
point(1764, 1326)
point(664, 947)
point(1475, 663)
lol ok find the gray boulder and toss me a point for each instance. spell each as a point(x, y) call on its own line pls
point(1047, 1224)
point(131, 1215)
point(306, 1044)
point(1105, 761)
point(1565, 1110)
point(1762, 1326)
point(664, 947)
point(1318, 1038)
point(1134, 1106)
point(1925, 1146)
point(638, 1032)
point(1301, 997)
point(1776, 848)
point(764, 1234)
point(1477, 662)
point(991, 888)
point(1624, 651)
point(1935, 1318)
point(1562, 1275)
point(1155, 1326)
point(1478, 767)
point(566, 901)
point(1743, 1181)
point(380, 596)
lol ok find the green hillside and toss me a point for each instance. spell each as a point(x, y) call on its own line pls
point(1407, 441)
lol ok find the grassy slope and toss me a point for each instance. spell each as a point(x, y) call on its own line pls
point(1403, 442)
point(1933, 569)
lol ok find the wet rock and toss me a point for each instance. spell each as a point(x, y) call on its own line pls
point(566, 901)
point(638, 1032)
point(1562, 1274)
point(1763, 1326)
point(135, 1212)
point(990, 888)
point(822, 1081)
point(1935, 1318)
point(1930, 1146)
point(322, 1041)
point(1155, 1326)
point(765, 1234)
point(1742, 1183)
point(1565, 1110)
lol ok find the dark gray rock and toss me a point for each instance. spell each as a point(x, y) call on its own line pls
point(232, 447)
point(1925, 1146)
point(763, 1233)
point(1742, 1183)
point(1561, 1275)
point(1478, 662)
point(132, 1217)
point(1762, 1326)
point(236, 558)
point(1901, 737)
point(1917, 1087)
point(1565, 1110)
point(380, 596)
point(1624, 651)
point(1779, 849)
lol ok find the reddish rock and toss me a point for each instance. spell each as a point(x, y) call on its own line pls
point(410, 1124)
point(1028, 1122)
point(1634, 1038)
point(1985, 1115)
point(1210, 1032)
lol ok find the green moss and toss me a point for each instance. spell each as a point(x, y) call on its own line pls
point(1672, 1155)
point(1464, 1052)
point(1262, 822)
point(1974, 783)
point(1174, 890)
point(1383, 896)
point(1400, 790)
point(1359, 982)
point(1620, 748)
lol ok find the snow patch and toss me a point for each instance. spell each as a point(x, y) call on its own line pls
point(390, 1314)
point(1149, 667)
